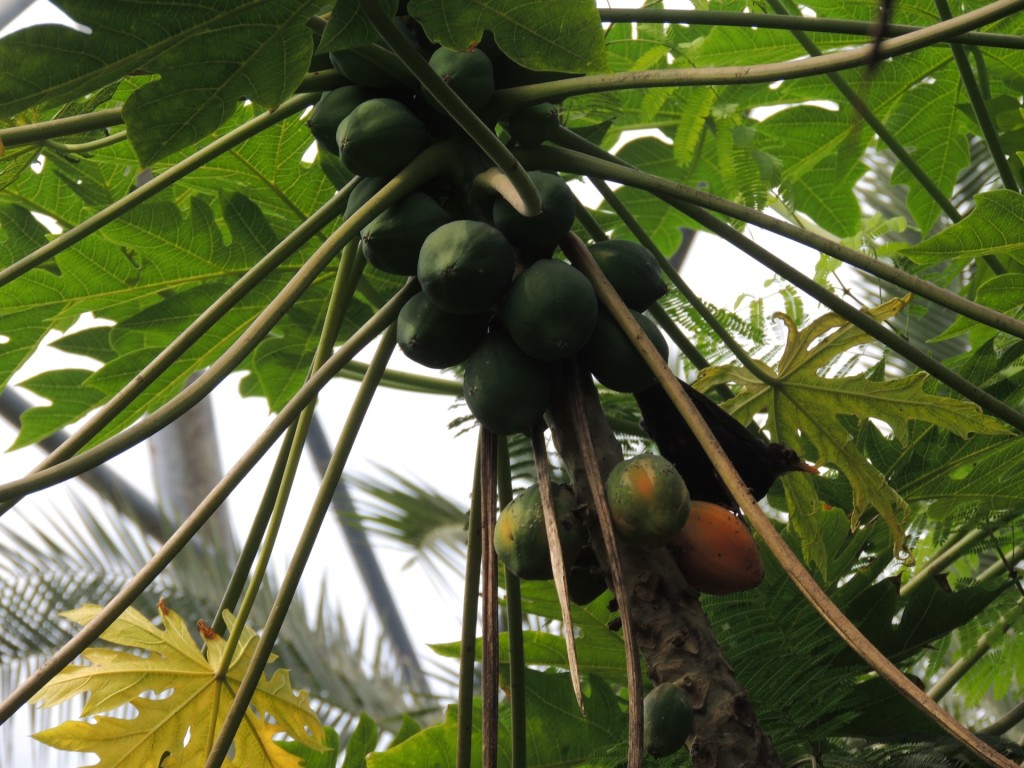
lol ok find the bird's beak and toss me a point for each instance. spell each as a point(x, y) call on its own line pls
point(806, 466)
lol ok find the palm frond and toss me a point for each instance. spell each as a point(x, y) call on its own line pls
point(415, 516)
point(54, 560)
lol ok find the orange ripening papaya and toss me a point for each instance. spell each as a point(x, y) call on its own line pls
point(716, 552)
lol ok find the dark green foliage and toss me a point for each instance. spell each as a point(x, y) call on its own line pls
point(506, 390)
point(465, 266)
point(613, 360)
point(333, 107)
point(434, 338)
point(632, 270)
point(468, 73)
point(539, 234)
point(550, 310)
point(380, 137)
point(392, 241)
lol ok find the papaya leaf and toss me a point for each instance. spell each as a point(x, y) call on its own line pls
point(361, 743)
point(348, 26)
point(929, 119)
point(325, 757)
point(806, 408)
point(820, 153)
point(194, 710)
point(407, 729)
point(564, 36)
point(70, 399)
point(210, 58)
point(995, 226)
point(600, 651)
point(556, 733)
point(1004, 293)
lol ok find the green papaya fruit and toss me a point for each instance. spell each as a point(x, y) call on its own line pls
point(521, 539)
point(380, 137)
point(333, 107)
point(632, 270)
point(668, 719)
point(434, 338)
point(533, 125)
point(506, 390)
point(550, 310)
point(392, 241)
point(363, 191)
point(465, 266)
point(613, 360)
point(539, 234)
point(586, 580)
point(648, 500)
point(468, 73)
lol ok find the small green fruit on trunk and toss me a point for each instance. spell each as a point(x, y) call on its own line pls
point(668, 720)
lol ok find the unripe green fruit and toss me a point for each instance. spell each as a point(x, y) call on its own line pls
point(380, 137)
point(541, 233)
point(613, 359)
point(585, 579)
point(668, 719)
point(520, 537)
point(648, 500)
point(333, 107)
point(550, 310)
point(434, 338)
point(363, 191)
point(392, 241)
point(632, 270)
point(533, 125)
point(506, 390)
point(465, 266)
point(468, 73)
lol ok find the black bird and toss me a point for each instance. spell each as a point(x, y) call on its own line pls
point(758, 462)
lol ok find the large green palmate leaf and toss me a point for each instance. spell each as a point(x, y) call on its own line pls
point(209, 57)
point(807, 409)
point(819, 151)
point(995, 227)
point(157, 267)
point(564, 36)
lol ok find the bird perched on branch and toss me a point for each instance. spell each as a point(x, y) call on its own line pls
point(758, 462)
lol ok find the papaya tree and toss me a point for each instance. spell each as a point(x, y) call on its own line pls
point(822, 568)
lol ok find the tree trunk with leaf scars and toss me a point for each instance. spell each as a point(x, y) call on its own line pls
point(672, 631)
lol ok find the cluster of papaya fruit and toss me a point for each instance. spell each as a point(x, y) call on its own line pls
point(650, 507)
point(494, 297)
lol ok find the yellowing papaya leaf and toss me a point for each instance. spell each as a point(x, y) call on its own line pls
point(803, 405)
point(176, 729)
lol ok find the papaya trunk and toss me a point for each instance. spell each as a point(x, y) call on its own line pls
point(673, 633)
